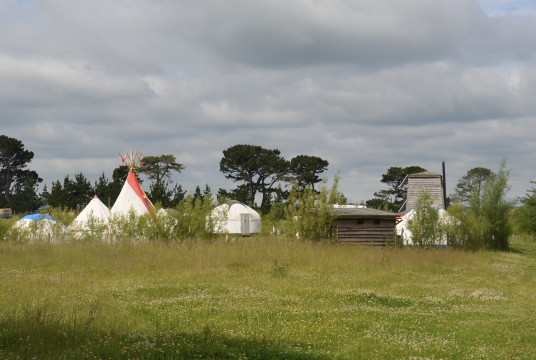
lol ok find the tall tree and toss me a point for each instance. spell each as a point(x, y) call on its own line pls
point(260, 169)
point(177, 196)
point(25, 197)
point(56, 197)
point(13, 160)
point(158, 192)
point(242, 163)
point(79, 190)
point(472, 182)
point(275, 170)
point(74, 192)
point(161, 167)
point(491, 205)
point(305, 170)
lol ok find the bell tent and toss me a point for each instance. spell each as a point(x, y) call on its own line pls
point(95, 213)
point(132, 197)
point(236, 218)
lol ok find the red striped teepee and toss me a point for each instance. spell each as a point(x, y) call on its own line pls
point(132, 196)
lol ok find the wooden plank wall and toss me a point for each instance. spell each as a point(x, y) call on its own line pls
point(416, 185)
point(368, 233)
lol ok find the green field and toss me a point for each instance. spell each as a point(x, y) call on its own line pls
point(261, 299)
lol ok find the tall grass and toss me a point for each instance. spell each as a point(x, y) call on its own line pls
point(261, 298)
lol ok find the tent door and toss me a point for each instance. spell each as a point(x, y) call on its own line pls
point(244, 224)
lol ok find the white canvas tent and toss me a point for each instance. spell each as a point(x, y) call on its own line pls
point(93, 220)
point(39, 227)
point(132, 197)
point(234, 216)
point(406, 235)
point(95, 210)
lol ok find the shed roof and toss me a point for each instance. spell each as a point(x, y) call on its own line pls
point(426, 174)
point(363, 213)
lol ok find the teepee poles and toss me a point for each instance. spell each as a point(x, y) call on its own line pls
point(132, 160)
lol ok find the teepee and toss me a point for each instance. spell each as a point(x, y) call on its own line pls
point(95, 210)
point(132, 196)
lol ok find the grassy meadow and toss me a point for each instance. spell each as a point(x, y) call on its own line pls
point(263, 299)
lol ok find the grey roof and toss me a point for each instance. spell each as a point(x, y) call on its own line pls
point(363, 213)
point(233, 202)
point(424, 174)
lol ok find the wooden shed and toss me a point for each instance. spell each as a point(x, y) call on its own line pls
point(422, 181)
point(364, 226)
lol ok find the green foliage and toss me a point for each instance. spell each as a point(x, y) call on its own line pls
point(25, 197)
point(73, 194)
point(306, 170)
point(310, 214)
point(223, 301)
point(161, 167)
point(524, 217)
point(195, 219)
point(425, 225)
point(65, 215)
point(486, 222)
point(258, 168)
point(241, 193)
point(279, 270)
point(272, 221)
point(5, 226)
point(494, 208)
point(13, 161)
point(472, 183)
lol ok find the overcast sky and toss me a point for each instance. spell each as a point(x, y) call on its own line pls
point(364, 84)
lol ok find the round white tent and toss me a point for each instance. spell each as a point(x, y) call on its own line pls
point(40, 227)
point(230, 217)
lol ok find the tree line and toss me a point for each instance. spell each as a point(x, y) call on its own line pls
point(256, 170)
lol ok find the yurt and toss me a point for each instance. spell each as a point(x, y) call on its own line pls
point(132, 196)
point(236, 218)
point(93, 218)
point(40, 227)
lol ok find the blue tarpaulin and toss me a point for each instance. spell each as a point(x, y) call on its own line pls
point(37, 217)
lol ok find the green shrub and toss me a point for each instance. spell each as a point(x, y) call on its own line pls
point(310, 214)
point(426, 226)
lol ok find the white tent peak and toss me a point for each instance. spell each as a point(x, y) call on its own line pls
point(96, 210)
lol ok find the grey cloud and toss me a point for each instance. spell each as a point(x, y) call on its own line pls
point(366, 85)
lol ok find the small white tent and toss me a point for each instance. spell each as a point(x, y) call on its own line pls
point(232, 216)
point(92, 220)
point(95, 210)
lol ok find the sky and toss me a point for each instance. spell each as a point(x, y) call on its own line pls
point(363, 84)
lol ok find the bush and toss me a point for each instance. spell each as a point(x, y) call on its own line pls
point(426, 226)
point(486, 223)
point(309, 215)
